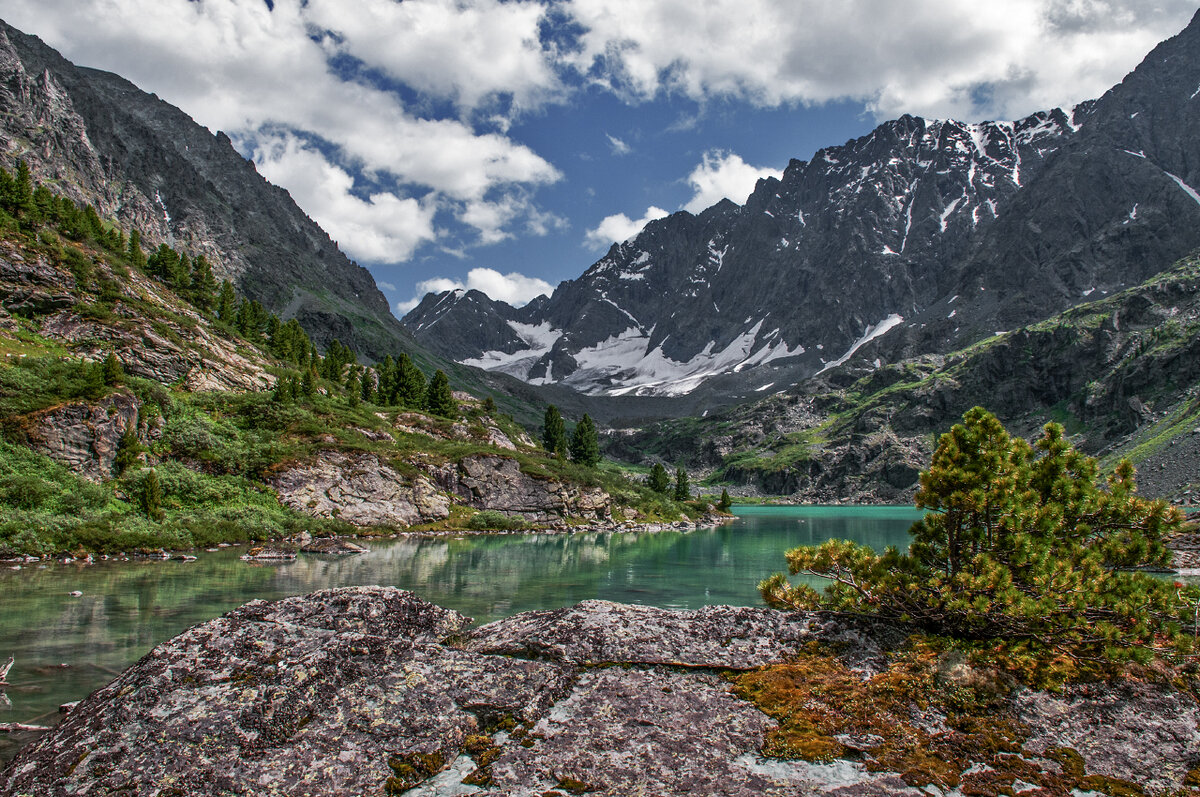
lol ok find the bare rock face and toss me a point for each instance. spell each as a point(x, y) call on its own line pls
point(594, 632)
point(85, 436)
point(1136, 731)
point(360, 490)
point(497, 483)
point(371, 690)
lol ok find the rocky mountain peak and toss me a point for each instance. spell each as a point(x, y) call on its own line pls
point(947, 231)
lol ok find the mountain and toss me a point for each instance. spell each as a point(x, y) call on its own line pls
point(1122, 373)
point(98, 138)
point(918, 238)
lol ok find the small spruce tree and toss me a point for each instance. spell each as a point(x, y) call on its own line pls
point(227, 303)
point(683, 491)
point(412, 383)
point(585, 443)
point(135, 254)
point(439, 399)
point(726, 503)
point(659, 480)
point(129, 450)
point(554, 433)
point(112, 370)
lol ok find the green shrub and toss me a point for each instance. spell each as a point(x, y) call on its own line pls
point(24, 491)
point(493, 520)
point(1024, 555)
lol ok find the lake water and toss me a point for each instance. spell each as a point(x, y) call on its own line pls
point(67, 646)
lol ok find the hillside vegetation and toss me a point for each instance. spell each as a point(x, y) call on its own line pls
point(143, 406)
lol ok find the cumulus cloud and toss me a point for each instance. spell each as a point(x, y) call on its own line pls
point(619, 227)
point(513, 288)
point(236, 66)
point(930, 57)
point(464, 51)
point(723, 175)
point(380, 229)
point(719, 175)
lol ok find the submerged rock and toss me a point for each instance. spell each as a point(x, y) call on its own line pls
point(371, 690)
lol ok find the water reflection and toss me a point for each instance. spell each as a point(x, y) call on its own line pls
point(68, 646)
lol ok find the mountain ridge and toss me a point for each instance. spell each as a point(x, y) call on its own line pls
point(146, 163)
point(917, 215)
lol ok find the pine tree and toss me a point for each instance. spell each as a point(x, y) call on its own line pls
point(202, 285)
point(368, 386)
point(726, 503)
point(227, 303)
point(308, 384)
point(283, 390)
point(136, 256)
point(658, 480)
point(23, 193)
point(353, 390)
point(412, 383)
point(1024, 552)
point(112, 370)
point(389, 381)
point(439, 400)
point(683, 491)
point(554, 433)
point(129, 449)
point(585, 443)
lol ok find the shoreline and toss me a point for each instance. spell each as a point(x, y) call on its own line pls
point(188, 554)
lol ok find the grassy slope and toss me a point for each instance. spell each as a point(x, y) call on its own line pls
point(211, 451)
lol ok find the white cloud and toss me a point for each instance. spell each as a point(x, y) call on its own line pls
point(381, 229)
point(385, 286)
point(723, 175)
point(513, 288)
point(464, 51)
point(619, 228)
point(719, 175)
point(238, 67)
point(930, 57)
point(618, 146)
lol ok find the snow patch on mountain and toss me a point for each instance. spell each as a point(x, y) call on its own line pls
point(879, 330)
point(540, 338)
point(1187, 188)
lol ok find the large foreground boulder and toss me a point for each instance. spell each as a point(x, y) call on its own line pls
point(372, 691)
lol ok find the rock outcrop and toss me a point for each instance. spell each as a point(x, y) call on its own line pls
point(363, 491)
point(85, 436)
point(498, 483)
point(370, 690)
point(360, 490)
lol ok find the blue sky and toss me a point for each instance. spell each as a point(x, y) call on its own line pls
point(505, 145)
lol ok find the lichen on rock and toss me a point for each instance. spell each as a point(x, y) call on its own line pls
point(371, 690)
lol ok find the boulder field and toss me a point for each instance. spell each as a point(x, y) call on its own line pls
point(373, 691)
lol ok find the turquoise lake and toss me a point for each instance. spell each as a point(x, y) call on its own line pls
point(66, 646)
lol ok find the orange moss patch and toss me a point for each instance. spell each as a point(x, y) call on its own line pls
point(929, 717)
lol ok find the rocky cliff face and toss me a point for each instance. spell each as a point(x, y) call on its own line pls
point(372, 690)
point(919, 238)
point(364, 491)
point(97, 137)
point(85, 436)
